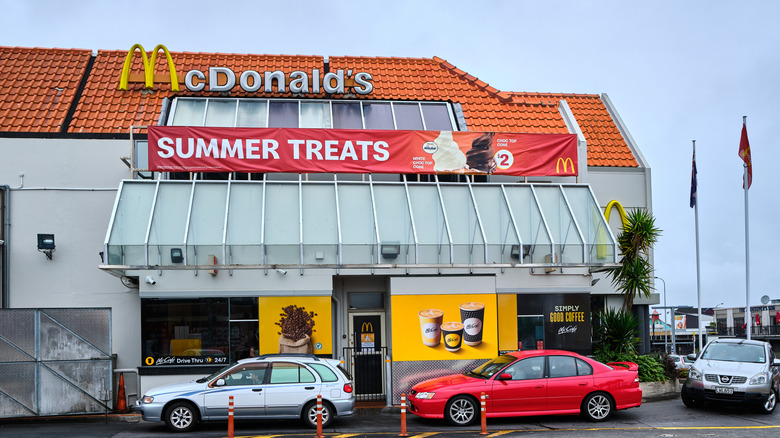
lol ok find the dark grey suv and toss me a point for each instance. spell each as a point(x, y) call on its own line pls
point(734, 371)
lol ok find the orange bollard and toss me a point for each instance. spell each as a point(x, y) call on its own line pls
point(319, 416)
point(121, 400)
point(403, 416)
point(230, 417)
point(483, 414)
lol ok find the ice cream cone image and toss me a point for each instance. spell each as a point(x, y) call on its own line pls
point(448, 155)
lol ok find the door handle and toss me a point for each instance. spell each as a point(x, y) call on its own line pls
point(309, 387)
point(257, 390)
point(584, 384)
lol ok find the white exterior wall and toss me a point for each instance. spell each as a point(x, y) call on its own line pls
point(68, 190)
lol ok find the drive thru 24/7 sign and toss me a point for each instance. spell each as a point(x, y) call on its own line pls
point(295, 150)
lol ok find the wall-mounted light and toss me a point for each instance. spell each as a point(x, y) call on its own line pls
point(46, 244)
point(176, 255)
point(391, 250)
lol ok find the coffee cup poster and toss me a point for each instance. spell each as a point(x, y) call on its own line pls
point(295, 325)
point(444, 327)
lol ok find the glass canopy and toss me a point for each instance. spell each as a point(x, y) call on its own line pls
point(361, 224)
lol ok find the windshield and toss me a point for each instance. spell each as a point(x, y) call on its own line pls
point(207, 378)
point(489, 368)
point(735, 353)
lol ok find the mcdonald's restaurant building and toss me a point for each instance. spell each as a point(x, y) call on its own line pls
point(397, 213)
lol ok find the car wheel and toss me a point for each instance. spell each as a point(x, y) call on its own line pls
point(309, 415)
point(597, 406)
point(769, 405)
point(689, 401)
point(181, 417)
point(461, 410)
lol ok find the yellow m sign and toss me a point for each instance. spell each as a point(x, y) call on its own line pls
point(567, 162)
point(148, 67)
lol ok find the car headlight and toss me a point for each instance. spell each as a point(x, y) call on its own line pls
point(758, 379)
point(147, 399)
point(425, 395)
point(694, 374)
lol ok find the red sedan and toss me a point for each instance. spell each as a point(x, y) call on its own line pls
point(533, 382)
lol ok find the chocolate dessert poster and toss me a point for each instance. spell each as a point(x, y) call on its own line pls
point(186, 148)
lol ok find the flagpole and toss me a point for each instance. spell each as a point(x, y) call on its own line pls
point(745, 185)
point(698, 270)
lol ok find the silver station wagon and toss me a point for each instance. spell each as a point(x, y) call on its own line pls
point(271, 386)
point(734, 371)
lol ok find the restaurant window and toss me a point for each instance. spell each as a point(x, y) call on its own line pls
point(198, 331)
point(311, 113)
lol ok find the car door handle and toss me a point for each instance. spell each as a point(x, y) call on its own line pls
point(583, 383)
point(257, 390)
point(309, 387)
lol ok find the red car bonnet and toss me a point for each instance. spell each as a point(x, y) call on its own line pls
point(452, 379)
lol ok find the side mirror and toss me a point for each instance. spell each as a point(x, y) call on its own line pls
point(776, 362)
point(691, 357)
point(220, 382)
point(505, 376)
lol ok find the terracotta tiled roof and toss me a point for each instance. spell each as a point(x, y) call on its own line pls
point(103, 108)
point(37, 87)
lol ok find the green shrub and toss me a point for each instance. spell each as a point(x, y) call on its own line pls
point(682, 373)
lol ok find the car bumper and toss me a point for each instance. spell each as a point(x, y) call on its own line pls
point(150, 411)
point(344, 407)
point(427, 408)
point(742, 394)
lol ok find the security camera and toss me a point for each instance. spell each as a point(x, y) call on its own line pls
point(281, 271)
point(150, 280)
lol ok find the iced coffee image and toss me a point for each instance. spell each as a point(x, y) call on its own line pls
point(430, 325)
point(471, 315)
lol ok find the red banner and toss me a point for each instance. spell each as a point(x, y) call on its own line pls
point(261, 150)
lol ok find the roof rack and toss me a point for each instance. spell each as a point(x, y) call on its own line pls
point(307, 355)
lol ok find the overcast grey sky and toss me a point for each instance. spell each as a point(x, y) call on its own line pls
point(676, 71)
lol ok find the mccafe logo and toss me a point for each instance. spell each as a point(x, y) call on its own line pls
point(222, 79)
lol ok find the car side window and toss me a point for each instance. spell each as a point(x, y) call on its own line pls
point(290, 373)
point(584, 368)
point(562, 366)
point(326, 374)
point(251, 374)
point(527, 369)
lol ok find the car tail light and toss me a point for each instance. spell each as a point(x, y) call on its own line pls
point(347, 388)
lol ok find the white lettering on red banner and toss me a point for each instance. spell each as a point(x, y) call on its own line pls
point(263, 150)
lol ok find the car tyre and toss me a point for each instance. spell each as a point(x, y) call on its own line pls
point(461, 410)
point(309, 415)
point(597, 406)
point(769, 405)
point(689, 401)
point(181, 417)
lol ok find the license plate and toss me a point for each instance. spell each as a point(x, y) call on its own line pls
point(723, 390)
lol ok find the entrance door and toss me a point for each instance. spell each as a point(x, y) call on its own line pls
point(367, 348)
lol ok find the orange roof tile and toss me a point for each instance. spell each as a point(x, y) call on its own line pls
point(38, 87)
point(103, 108)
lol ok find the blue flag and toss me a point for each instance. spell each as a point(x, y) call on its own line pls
point(693, 180)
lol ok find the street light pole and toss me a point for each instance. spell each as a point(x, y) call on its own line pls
point(666, 346)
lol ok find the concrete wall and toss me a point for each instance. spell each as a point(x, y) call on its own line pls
point(67, 189)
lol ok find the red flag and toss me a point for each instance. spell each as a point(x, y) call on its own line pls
point(744, 153)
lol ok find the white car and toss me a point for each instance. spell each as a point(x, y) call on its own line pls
point(734, 371)
point(681, 362)
point(271, 386)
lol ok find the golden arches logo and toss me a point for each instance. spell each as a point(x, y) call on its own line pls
point(621, 211)
point(367, 327)
point(148, 64)
point(567, 162)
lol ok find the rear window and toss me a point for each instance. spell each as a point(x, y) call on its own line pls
point(326, 374)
